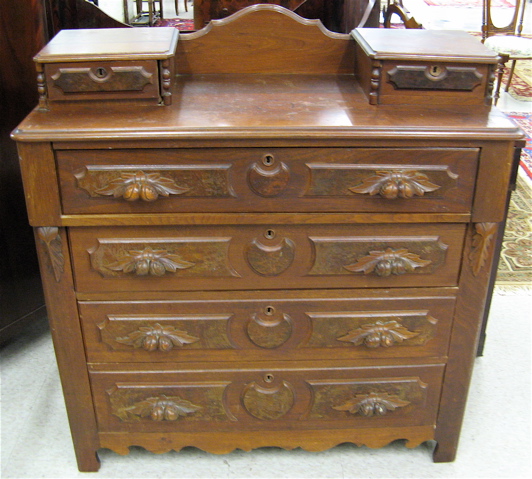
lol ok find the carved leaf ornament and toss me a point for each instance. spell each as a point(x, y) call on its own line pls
point(373, 404)
point(51, 238)
point(380, 333)
point(162, 408)
point(140, 185)
point(396, 184)
point(481, 245)
point(388, 262)
point(157, 337)
point(149, 261)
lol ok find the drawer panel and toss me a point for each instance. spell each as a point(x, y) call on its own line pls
point(258, 326)
point(274, 257)
point(261, 180)
point(103, 80)
point(269, 398)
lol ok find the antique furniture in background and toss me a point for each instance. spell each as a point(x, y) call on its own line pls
point(21, 296)
point(336, 15)
point(506, 40)
point(293, 248)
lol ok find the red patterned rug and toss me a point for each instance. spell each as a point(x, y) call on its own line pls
point(467, 3)
point(524, 120)
point(182, 24)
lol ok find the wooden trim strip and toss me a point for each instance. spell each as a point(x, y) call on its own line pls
point(259, 219)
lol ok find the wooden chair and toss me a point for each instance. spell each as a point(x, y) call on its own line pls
point(396, 7)
point(177, 6)
point(507, 40)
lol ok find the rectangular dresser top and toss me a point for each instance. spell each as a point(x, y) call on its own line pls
point(262, 106)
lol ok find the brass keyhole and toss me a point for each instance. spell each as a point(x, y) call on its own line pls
point(268, 160)
point(268, 378)
point(269, 234)
point(435, 70)
point(269, 310)
point(101, 72)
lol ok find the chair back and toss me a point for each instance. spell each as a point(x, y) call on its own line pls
point(515, 27)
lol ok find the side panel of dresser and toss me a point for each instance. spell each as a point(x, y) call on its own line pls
point(56, 274)
point(478, 265)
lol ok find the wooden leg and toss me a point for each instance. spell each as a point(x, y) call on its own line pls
point(56, 273)
point(512, 68)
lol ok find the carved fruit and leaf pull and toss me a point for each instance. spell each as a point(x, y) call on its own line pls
point(388, 262)
point(396, 184)
point(161, 408)
point(372, 404)
point(140, 185)
point(157, 337)
point(377, 334)
point(50, 237)
point(149, 262)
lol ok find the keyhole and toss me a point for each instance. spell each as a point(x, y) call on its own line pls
point(268, 160)
point(436, 70)
point(268, 378)
point(269, 234)
point(269, 311)
point(101, 72)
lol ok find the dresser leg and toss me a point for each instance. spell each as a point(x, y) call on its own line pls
point(469, 313)
point(56, 273)
point(88, 460)
point(445, 451)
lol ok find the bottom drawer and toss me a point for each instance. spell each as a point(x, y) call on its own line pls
point(268, 398)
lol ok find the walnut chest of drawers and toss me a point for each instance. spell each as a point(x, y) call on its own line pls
point(268, 260)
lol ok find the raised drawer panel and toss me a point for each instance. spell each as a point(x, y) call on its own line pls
point(103, 80)
point(276, 398)
point(262, 180)
point(257, 257)
point(247, 326)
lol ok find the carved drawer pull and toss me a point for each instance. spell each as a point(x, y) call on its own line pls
point(394, 184)
point(140, 185)
point(386, 263)
point(377, 334)
point(161, 408)
point(149, 261)
point(373, 404)
point(157, 337)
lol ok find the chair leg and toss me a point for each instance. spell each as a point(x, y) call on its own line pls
point(186, 6)
point(511, 74)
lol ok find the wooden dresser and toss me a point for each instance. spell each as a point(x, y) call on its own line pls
point(239, 250)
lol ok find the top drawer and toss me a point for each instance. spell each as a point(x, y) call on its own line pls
point(433, 180)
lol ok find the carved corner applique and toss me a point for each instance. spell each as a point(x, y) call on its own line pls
point(482, 245)
point(50, 237)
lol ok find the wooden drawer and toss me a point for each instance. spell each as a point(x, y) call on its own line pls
point(103, 80)
point(257, 257)
point(262, 325)
point(267, 396)
point(263, 179)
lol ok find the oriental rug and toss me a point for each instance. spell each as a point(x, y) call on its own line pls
point(515, 264)
point(182, 24)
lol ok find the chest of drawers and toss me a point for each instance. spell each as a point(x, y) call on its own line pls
point(269, 260)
